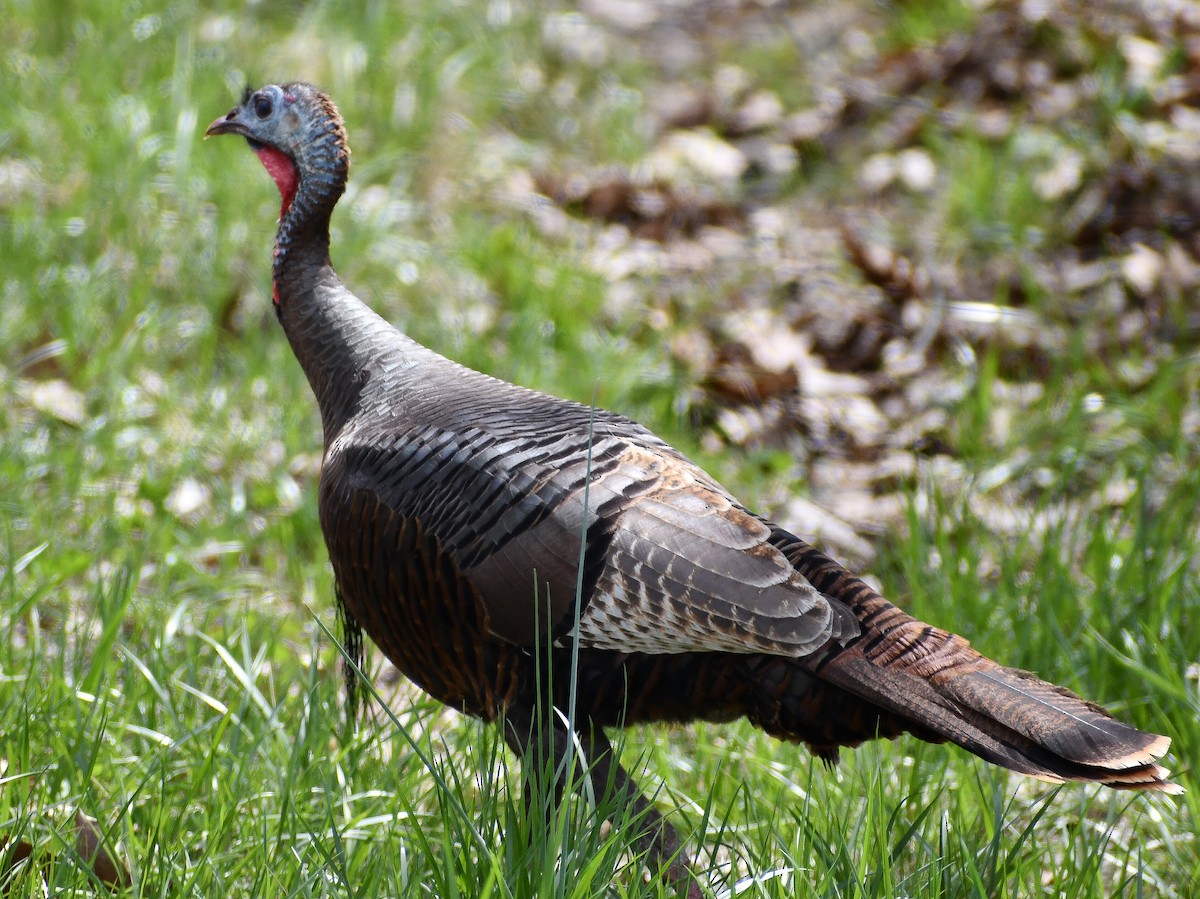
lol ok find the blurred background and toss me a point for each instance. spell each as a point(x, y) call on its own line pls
point(920, 280)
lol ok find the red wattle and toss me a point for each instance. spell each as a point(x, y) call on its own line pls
point(280, 167)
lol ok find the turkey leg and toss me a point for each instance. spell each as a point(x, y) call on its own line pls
point(542, 744)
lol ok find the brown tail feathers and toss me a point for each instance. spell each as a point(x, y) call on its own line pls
point(936, 681)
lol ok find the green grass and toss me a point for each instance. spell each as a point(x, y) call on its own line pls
point(164, 592)
point(911, 24)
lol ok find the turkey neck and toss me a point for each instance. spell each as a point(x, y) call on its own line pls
point(333, 334)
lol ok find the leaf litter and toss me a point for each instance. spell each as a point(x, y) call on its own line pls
point(847, 334)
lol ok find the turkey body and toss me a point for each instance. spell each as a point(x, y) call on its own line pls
point(481, 533)
point(468, 518)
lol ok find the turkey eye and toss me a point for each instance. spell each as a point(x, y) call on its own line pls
point(262, 107)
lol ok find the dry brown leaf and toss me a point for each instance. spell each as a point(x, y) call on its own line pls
point(187, 499)
point(760, 111)
point(55, 398)
point(90, 844)
point(682, 106)
point(737, 377)
point(44, 361)
point(896, 275)
point(12, 854)
point(653, 211)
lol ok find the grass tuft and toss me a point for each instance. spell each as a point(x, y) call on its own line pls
point(166, 666)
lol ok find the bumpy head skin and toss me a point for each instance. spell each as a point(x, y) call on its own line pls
point(298, 134)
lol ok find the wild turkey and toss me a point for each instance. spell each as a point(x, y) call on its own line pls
point(453, 507)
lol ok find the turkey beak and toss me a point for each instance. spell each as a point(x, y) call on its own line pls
point(226, 124)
